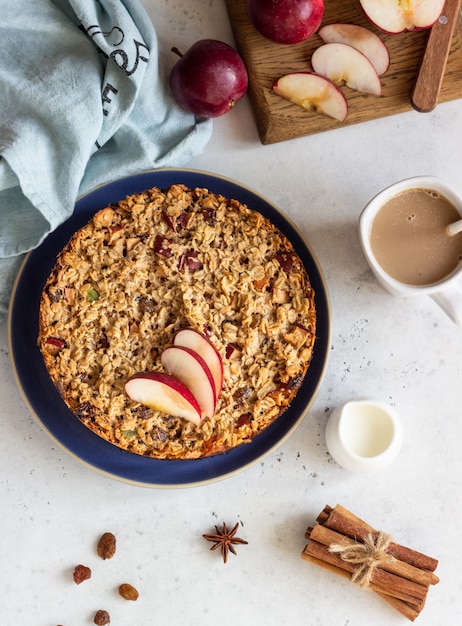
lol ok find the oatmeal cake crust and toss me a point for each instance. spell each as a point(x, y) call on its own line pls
point(154, 263)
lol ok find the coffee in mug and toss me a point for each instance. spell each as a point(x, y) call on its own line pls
point(410, 240)
point(405, 239)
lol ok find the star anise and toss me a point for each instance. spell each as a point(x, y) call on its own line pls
point(225, 540)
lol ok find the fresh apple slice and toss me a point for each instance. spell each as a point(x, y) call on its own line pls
point(165, 393)
point(396, 16)
point(360, 38)
point(343, 64)
point(314, 93)
point(191, 369)
point(193, 339)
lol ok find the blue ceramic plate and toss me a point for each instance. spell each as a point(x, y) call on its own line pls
point(45, 402)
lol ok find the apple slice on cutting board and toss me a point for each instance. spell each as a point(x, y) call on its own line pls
point(343, 64)
point(396, 16)
point(193, 339)
point(190, 368)
point(163, 392)
point(314, 93)
point(360, 38)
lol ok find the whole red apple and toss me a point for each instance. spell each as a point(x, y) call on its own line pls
point(209, 78)
point(286, 21)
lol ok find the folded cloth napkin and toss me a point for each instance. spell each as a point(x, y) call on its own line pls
point(83, 100)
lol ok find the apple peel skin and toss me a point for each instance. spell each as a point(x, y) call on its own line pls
point(395, 16)
point(163, 392)
point(193, 339)
point(343, 64)
point(314, 93)
point(360, 38)
point(191, 370)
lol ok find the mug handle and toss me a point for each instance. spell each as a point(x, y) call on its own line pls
point(450, 300)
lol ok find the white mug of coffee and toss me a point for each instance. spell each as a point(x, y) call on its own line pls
point(405, 239)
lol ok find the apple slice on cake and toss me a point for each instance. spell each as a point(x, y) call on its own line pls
point(163, 392)
point(193, 339)
point(190, 368)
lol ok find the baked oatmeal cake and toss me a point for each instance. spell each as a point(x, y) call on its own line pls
point(157, 262)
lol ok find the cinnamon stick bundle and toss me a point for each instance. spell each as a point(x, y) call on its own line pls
point(346, 545)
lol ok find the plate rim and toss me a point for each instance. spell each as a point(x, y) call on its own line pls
point(257, 458)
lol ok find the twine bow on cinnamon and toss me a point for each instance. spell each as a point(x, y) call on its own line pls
point(366, 556)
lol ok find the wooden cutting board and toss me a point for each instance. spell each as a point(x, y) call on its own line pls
point(280, 120)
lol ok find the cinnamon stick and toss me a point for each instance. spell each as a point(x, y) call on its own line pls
point(408, 610)
point(346, 545)
point(346, 523)
point(328, 537)
point(403, 607)
point(381, 581)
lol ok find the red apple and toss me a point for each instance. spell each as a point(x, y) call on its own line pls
point(193, 339)
point(360, 38)
point(286, 21)
point(343, 64)
point(396, 16)
point(191, 369)
point(314, 93)
point(209, 78)
point(165, 393)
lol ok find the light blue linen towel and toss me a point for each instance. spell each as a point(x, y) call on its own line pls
point(83, 101)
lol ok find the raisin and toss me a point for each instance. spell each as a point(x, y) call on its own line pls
point(141, 412)
point(102, 343)
point(128, 592)
point(295, 382)
point(160, 435)
point(241, 395)
point(86, 411)
point(106, 546)
point(210, 215)
point(146, 305)
point(55, 296)
point(102, 618)
point(81, 573)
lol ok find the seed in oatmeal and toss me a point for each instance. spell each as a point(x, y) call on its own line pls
point(102, 618)
point(128, 592)
point(106, 546)
point(81, 573)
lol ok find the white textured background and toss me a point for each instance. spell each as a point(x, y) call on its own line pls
point(405, 352)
